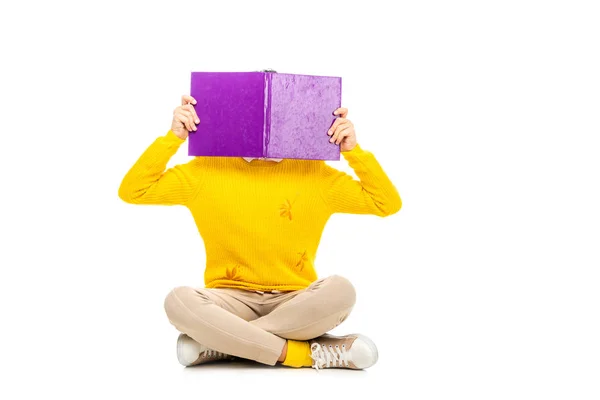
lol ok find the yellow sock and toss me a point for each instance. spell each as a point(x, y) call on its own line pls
point(298, 354)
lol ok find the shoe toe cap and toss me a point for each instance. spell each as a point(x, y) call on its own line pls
point(364, 352)
point(188, 350)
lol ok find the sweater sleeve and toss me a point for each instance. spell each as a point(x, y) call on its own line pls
point(374, 193)
point(147, 182)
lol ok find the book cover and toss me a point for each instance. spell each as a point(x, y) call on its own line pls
point(264, 114)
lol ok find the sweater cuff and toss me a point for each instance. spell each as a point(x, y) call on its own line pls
point(356, 153)
point(172, 138)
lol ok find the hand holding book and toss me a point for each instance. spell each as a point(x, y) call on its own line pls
point(185, 118)
point(342, 131)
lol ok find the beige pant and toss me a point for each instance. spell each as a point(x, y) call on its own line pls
point(254, 325)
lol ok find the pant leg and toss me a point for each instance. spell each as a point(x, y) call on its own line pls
point(218, 320)
point(313, 311)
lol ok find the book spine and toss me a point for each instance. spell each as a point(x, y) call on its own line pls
point(267, 118)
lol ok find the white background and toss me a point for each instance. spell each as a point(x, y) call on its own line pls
point(484, 114)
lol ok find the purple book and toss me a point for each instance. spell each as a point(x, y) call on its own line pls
point(264, 114)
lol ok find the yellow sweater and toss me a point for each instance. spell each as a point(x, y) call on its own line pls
point(261, 221)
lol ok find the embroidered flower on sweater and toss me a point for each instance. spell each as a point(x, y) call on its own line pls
point(303, 259)
point(285, 210)
point(232, 274)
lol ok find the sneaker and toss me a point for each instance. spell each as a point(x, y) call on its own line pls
point(190, 352)
point(351, 351)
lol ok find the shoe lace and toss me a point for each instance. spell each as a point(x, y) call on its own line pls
point(329, 356)
point(209, 353)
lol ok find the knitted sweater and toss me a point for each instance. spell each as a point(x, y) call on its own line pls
point(261, 221)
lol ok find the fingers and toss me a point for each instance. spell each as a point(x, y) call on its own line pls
point(184, 120)
point(341, 131)
point(186, 113)
point(185, 117)
point(191, 109)
point(185, 99)
point(342, 112)
point(336, 123)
